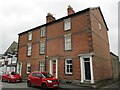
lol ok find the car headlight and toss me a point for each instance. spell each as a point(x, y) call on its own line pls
point(49, 81)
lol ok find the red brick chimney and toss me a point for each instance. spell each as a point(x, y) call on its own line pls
point(70, 10)
point(49, 18)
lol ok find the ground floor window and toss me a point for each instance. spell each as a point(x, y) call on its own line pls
point(42, 66)
point(68, 66)
point(28, 69)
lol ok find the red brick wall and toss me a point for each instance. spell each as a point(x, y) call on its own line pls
point(101, 60)
point(55, 44)
point(35, 56)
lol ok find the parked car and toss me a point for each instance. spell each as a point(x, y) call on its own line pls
point(11, 77)
point(42, 79)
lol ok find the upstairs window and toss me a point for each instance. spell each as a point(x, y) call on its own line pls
point(42, 47)
point(67, 40)
point(99, 25)
point(67, 24)
point(30, 36)
point(29, 49)
point(42, 31)
point(68, 66)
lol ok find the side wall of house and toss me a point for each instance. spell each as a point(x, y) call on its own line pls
point(101, 60)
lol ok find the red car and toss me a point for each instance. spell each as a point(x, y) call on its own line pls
point(42, 79)
point(11, 77)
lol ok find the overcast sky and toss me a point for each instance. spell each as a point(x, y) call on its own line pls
point(17, 16)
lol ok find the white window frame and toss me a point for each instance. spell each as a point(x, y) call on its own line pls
point(68, 42)
point(14, 59)
point(29, 49)
point(30, 36)
point(99, 25)
point(42, 31)
point(42, 47)
point(42, 66)
point(67, 24)
point(28, 66)
point(66, 64)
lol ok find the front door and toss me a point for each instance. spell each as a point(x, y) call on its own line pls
point(87, 68)
point(54, 68)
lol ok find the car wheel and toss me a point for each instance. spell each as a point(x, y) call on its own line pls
point(44, 86)
point(2, 80)
point(28, 83)
point(20, 81)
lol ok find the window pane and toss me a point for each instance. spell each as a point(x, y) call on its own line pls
point(42, 47)
point(42, 31)
point(28, 68)
point(30, 36)
point(29, 49)
point(71, 70)
point(68, 66)
point(67, 69)
point(68, 42)
point(99, 25)
point(70, 61)
point(67, 24)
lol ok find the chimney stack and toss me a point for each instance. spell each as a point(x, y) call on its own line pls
point(70, 10)
point(49, 18)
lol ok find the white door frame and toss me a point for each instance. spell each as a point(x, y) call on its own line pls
point(51, 66)
point(82, 56)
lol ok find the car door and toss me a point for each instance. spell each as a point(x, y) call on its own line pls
point(32, 78)
point(38, 79)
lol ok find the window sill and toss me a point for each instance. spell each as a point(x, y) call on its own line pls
point(42, 37)
point(66, 74)
point(27, 73)
point(68, 50)
point(42, 53)
point(30, 40)
point(67, 30)
point(28, 55)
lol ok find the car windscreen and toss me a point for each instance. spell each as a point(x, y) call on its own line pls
point(47, 75)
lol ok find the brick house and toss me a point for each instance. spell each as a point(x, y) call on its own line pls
point(72, 48)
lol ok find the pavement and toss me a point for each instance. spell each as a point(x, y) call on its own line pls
point(70, 86)
point(112, 86)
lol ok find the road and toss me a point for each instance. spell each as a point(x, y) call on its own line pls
point(23, 86)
